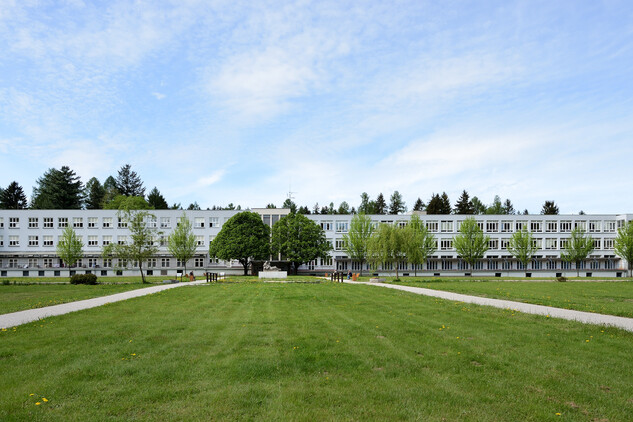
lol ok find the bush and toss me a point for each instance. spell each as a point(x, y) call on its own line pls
point(561, 279)
point(83, 279)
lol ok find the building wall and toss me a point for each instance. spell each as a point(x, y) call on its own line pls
point(28, 240)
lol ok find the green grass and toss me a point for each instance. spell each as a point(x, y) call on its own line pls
point(15, 298)
point(613, 298)
point(267, 351)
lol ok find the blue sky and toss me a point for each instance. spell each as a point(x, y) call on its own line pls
point(231, 101)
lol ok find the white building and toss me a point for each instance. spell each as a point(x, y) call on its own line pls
point(28, 240)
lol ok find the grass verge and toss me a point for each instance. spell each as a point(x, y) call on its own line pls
point(311, 352)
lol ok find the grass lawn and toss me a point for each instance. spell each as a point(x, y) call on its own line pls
point(613, 298)
point(267, 351)
point(15, 298)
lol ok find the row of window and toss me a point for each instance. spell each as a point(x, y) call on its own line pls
point(93, 240)
point(491, 264)
point(106, 222)
point(198, 262)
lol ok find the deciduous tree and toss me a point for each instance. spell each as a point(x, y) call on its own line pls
point(243, 237)
point(387, 246)
point(624, 245)
point(420, 244)
point(578, 247)
point(357, 238)
point(471, 244)
point(522, 246)
point(69, 247)
point(181, 243)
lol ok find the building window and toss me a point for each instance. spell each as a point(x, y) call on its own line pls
point(506, 226)
point(493, 244)
point(214, 222)
point(596, 244)
point(1, 241)
point(595, 226)
point(518, 225)
point(199, 240)
point(565, 226)
point(402, 224)
point(92, 241)
point(78, 222)
point(493, 265)
point(164, 262)
point(48, 222)
point(106, 240)
point(609, 264)
point(152, 221)
point(431, 264)
point(447, 226)
point(447, 265)
point(609, 226)
point(536, 226)
point(551, 226)
point(339, 244)
point(198, 262)
point(107, 262)
point(537, 265)
point(506, 264)
point(33, 241)
point(92, 222)
point(151, 263)
point(551, 243)
point(107, 222)
point(1, 223)
point(13, 263)
point(505, 243)
point(326, 262)
point(538, 243)
point(551, 264)
point(341, 226)
point(582, 225)
point(165, 223)
point(14, 223)
point(198, 222)
point(47, 240)
point(563, 243)
point(62, 222)
point(48, 262)
point(432, 226)
point(122, 263)
point(608, 243)
point(595, 265)
point(92, 262)
point(33, 222)
point(14, 241)
point(121, 240)
point(446, 244)
point(122, 223)
point(180, 263)
point(492, 226)
point(326, 225)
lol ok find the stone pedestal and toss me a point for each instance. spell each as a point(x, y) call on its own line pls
point(273, 274)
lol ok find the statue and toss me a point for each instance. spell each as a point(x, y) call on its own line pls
point(268, 267)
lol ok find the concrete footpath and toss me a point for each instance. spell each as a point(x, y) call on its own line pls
point(586, 317)
point(24, 317)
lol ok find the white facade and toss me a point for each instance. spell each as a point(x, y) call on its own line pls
point(28, 240)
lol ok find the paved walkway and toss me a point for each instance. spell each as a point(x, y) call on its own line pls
point(23, 317)
point(586, 317)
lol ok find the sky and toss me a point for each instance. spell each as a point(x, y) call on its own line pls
point(242, 102)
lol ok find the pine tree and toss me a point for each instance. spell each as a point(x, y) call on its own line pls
point(508, 208)
point(94, 194)
point(464, 204)
point(496, 207)
point(129, 183)
point(549, 208)
point(381, 205)
point(434, 205)
point(13, 197)
point(58, 189)
point(445, 204)
point(478, 206)
point(156, 200)
point(419, 205)
point(396, 204)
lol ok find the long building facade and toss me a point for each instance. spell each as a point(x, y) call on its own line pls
point(28, 241)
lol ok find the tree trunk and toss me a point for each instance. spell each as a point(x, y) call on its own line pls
point(140, 268)
point(245, 265)
point(362, 261)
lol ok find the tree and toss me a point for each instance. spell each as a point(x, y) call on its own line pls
point(496, 207)
point(439, 204)
point(143, 239)
point(522, 246)
point(110, 189)
point(244, 237)
point(549, 208)
point(470, 243)
point(303, 210)
point(578, 247)
point(508, 208)
point(129, 183)
point(271, 206)
point(366, 206)
point(122, 202)
point(387, 246)
point(357, 238)
point(156, 200)
point(396, 204)
point(70, 247)
point(13, 197)
point(299, 240)
point(316, 209)
point(94, 194)
point(624, 245)
point(478, 206)
point(464, 205)
point(58, 189)
point(289, 204)
point(194, 206)
point(343, 208)
point(380, 206)
point(419, 242)
point(445, 204)
point(181, 243)
point(419, 205)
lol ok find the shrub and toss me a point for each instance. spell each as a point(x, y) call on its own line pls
point(83, 279)
point(561, 278)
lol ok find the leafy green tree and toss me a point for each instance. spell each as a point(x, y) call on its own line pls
point(624, 245)
point(122, 202)
point(419, 205)
point(289, 204)
point(299, 240)
point(357, 238)
point(478, 206)
point(143, 239)
point(496, 208)
point(471, 243)
point(380, 206)
point(94, 194)
point(549, 208)
point(419, 242)
point(522, 246)
point(58, 189)
point(508, 208)
point(13, 197)
point(244, 237)
point(70, 247)
point(194, 206)
point(387, 245)
point(464, 205)
point(578, 247)
point(181, 243)
point(303, 210)
point(343, 209)
point(156, 200)
point(271, 206)
point(316, 210)
point(129, 183)
point(396, 204)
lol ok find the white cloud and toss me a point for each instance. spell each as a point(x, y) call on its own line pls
point(158, 95)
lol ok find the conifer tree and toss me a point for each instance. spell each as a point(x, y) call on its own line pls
point(464, 204)
point(13, 197)
point(129, 183)
point(396, 204)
